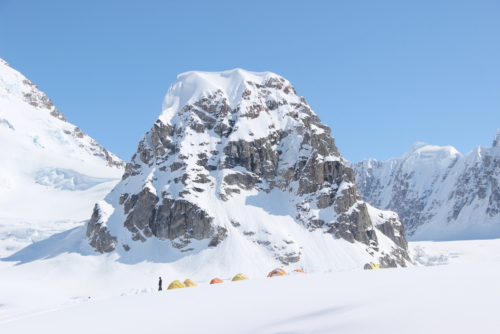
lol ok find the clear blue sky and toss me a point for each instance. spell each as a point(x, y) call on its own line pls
point(381, 74)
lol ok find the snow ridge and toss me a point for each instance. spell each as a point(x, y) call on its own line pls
point(439, 193)
point(496, 139)
point(16, 92)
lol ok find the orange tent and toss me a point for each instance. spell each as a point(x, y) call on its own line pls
point(299, 271)
point(216, 280)
point(277, 272)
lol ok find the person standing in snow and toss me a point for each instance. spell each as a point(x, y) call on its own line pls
point(159, 285)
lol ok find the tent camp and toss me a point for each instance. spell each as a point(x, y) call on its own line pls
point(299, 271)
point(188, 283)
point(176, 285)
point(371, 265)
point(216, 280)
point(277, 272)
point(239, 277)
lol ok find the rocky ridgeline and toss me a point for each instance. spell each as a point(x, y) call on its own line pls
point(438, 192)
point(18, 85)
point(227, 148)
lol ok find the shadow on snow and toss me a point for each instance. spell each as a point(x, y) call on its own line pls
point(75, 241)
point(64, 242)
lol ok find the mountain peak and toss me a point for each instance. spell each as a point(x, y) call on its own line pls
point(3, 62)
point(427, 152)
point(237, 74)
point(16, 84)
point(496, 139)
point(19, 93)
point(415, 146)
point(194, 85)
point(237, 161)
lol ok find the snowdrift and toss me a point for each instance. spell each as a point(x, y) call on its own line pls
point(443, 299)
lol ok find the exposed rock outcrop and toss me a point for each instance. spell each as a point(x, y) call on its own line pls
point(231, 154)
point(97, 232)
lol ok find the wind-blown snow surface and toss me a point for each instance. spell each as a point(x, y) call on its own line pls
point(51, 173)
point(457, 295)
point(239, 172)
point(439, 193)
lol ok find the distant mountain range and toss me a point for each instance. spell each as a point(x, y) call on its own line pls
point(439, 193)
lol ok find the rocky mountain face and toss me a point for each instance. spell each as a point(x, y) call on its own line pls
point(238, 157)
point(439, 193)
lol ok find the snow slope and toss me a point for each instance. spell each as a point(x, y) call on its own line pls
point(439, 193)
point(51, 173)
point(460, 297)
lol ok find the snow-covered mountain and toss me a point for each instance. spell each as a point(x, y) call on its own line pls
point(439, 193)
point(51, 172)
point(239, 172)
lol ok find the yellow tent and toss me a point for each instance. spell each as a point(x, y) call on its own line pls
point(188, 283)
point(239, 277)
point(176, 285)
point(371, 265)
point(277, 272)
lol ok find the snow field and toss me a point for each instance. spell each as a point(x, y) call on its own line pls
point(444, 299)
point(61, 280)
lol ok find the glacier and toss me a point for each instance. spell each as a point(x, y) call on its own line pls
point(51, 172)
